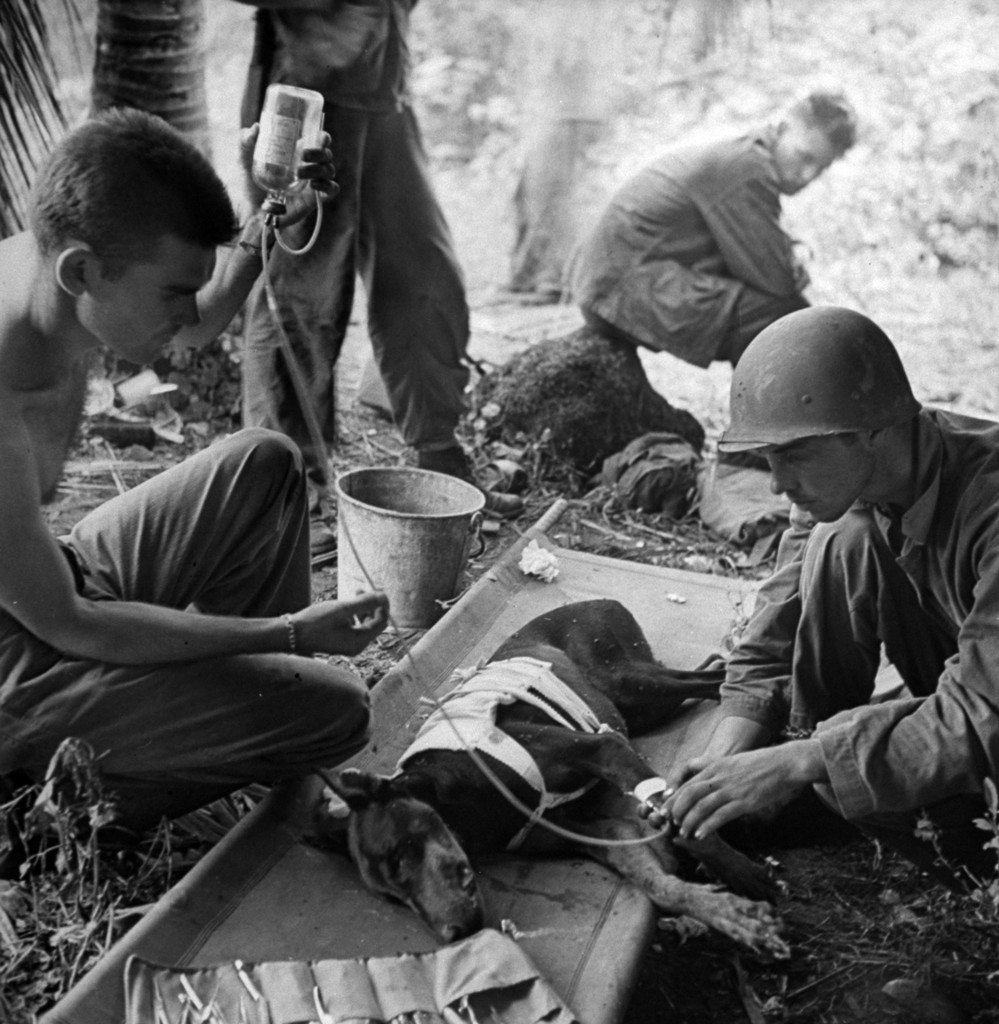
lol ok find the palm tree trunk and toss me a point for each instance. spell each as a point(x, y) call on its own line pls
point(150, 55)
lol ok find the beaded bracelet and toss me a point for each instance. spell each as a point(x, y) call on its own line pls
point(292, 634)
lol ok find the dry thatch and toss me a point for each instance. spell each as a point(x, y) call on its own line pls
point(583, 395)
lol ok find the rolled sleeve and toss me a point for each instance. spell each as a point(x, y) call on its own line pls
point(758, 677)
point(907, 754)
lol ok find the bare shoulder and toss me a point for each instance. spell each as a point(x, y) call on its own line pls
point(42, 383)
point(43, 370)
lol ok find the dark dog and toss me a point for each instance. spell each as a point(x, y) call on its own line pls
point(410, 836)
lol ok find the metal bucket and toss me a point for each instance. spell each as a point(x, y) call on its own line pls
point(407, 532)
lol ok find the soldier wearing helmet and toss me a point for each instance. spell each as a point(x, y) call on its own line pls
point(893, 546)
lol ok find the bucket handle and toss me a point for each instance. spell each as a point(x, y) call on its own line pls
point(475, 529)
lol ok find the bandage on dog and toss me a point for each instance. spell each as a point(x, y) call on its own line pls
point(649, 788)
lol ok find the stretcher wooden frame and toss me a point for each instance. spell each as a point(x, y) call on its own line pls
point(264, 894)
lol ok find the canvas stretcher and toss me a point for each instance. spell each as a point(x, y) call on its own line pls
point(264, 894)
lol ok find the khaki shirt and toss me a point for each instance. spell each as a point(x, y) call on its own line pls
point(905, 753)
point(683, 237)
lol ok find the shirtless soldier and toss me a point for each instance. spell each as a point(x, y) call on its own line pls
point(172, 628)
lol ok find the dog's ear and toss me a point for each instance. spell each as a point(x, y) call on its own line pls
point(326, 831)
point(419, 787)
point(358, 789)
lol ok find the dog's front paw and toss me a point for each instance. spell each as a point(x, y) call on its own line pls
point(751, 923)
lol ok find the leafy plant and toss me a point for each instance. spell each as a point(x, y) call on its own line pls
point(988, 891)
point(985, 890)
point(68, 907)
point(31, 116)
point(81, 888)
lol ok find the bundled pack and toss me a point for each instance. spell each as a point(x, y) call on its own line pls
point(654, 473)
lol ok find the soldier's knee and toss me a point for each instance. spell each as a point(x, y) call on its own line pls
point(270, 450)
point(345, 708)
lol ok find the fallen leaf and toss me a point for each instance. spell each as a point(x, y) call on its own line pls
point(924, 1001)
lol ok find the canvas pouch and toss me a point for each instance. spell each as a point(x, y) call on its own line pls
point(485, 978)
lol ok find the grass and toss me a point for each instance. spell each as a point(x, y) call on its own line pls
point(77, 895)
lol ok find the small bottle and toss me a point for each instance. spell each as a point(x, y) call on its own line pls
point(291, 121)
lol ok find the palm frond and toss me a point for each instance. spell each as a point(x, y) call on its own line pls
point(31, 116)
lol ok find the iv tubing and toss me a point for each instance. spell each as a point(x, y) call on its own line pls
point(310, 243)
point(479, 763)
point(298, 380)
point(316, 436)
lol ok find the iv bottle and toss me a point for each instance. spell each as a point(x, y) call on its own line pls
point(291, 121)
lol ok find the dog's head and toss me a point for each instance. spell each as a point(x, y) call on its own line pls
point(402, 849)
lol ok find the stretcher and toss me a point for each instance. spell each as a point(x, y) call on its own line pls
point(263, 894)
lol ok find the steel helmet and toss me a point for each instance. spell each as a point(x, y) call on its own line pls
point(821, 370)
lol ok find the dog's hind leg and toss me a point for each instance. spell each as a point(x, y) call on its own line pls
point(648, 694)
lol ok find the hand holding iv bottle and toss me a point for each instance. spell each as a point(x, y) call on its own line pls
point(290, 123)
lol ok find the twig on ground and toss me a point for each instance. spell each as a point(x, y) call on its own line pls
point(605, 530)
point(754, 1010)
point(801, 990)
point(81, 486)
point(119, 481)
point(384, 449)
point(641, 528)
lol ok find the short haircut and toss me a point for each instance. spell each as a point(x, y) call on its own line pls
point(830, 112)
point(120, 182)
